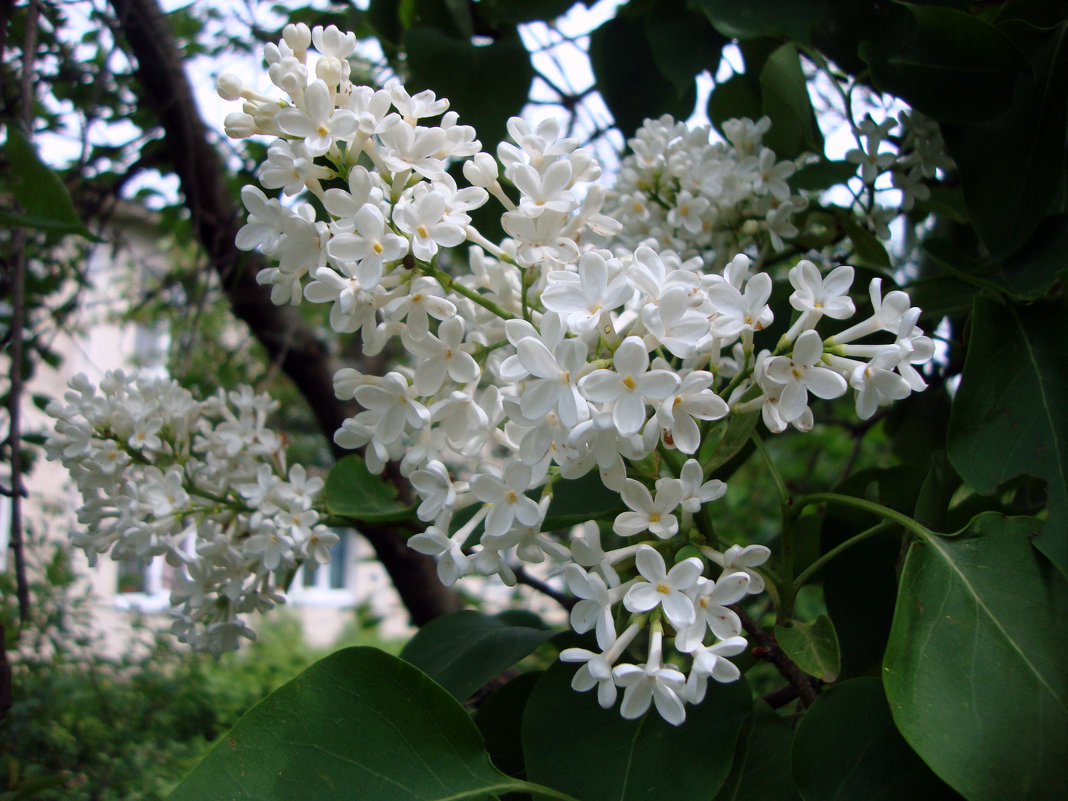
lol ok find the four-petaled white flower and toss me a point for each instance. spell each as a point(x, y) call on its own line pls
point(664, 588)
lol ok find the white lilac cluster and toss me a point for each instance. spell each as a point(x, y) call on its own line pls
point(679, 189)
point(565, 349)
point(910, 149)
point(202, 483)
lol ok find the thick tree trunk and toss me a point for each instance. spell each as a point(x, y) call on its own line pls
point(216, 219)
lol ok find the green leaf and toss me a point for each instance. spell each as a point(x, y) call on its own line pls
point(784, 93)
point(500, 719)
point(485, 84)
point(780, 19)
point(464, 650)
point(359, 723)
point(735, 98)
point(846, 748)
point(683, 44)
point(578, 500)
point(45, 200)
point(951, 65)
point(761, 770)
point(869, 251)
point(975, 669)
point(353, 491)
point(813, 648)
point(822, 175)
point(572, 744)
point(631, 83)
point(1008, 415)
point(737, 432)
point(1008, 196)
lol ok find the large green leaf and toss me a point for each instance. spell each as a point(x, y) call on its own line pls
point(464, 650)
point(683, 43)
point(355, 492)
point(1008, 196)
point(949, 64)
point(780, 19)
point(761, 770)
point(485, 84)
point(1008, 416)
point(784, 93)
point(631, 83)
point(847, 749)
point(572, 744)
point(45, 200)
point(358, 724)
point(975, 668)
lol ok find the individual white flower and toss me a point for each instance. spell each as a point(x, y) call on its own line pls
point(594, 609)
point(584, 296)
point(370, 246)
point(435, 488)
point(801, 373)
point(652, 682)
point(696, 492)
point(507, 494)
point(647, 514)
point(663, 587)
point(822, 296)
point(710, 600)
point(630, 386)
point(423, 219)
point(319, 123)
point(423, 300)
point(693, 400)
point(443, 355)
point(742, 559)
point(596, 670)
point(710, 661)
point(451, 562)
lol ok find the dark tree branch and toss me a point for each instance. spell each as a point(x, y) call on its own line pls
point(216, 220)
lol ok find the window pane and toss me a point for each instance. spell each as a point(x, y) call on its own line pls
point(337, 563)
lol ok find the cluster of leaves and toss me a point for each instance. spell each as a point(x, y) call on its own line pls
point(88, 726)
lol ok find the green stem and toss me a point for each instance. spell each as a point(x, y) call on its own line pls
point(780, 485)
point(816, 566)
point(539, 791)
point(884, 512)
point(448, 283)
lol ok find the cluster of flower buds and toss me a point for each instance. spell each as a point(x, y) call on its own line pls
point(201, 483)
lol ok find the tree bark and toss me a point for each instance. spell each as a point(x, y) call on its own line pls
point(216, 219)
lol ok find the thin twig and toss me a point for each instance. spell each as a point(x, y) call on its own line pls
point(768, 649)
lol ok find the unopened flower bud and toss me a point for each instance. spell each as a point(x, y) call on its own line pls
point(239, 126)
point(230, 86)
point(481, 170)
point(298, 37)
point(331, 70)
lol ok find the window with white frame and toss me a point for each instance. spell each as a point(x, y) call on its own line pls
point(331, 584)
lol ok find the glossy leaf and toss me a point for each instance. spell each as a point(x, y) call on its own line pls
point(46, 202)
point(761, 770)
point(485, 84)
point(631, 83)
point(572, 744)
point(780, 19)
point(950, 65)
point(581, 499)
point(975, 670)
point(736, 434)
point(867, 248)
point(1008, 415)
point(812, 647)
point(846, 748)
point(464, 650)
point(359, 723)
point(683, 44)
point(355, 492)
point(784, 93)
point(1007, 197)
point(500, 718)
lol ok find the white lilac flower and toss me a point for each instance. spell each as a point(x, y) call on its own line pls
point(630, 386)
point(646, 514)
point(664, 588)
